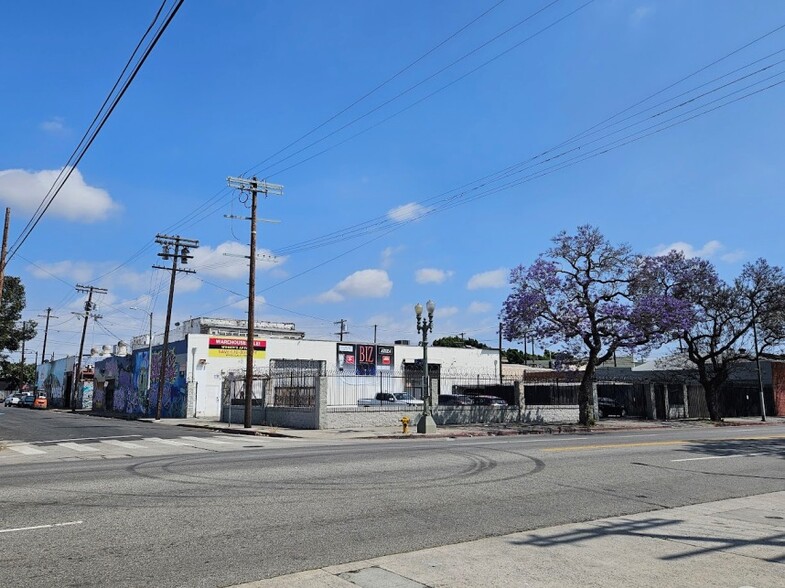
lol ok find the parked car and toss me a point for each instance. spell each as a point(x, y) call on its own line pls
point(13, 399)
point(454, 400)
point(41, 401)
point(27, 401)
point(390, 398)
point(490, 401)
point(609, 406)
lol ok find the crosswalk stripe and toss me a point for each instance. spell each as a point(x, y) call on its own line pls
point(206, 440)
point(165, 441)
point(77, 446)
point(26, 449)
point(123, 444)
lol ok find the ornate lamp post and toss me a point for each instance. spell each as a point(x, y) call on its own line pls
point(426, 424)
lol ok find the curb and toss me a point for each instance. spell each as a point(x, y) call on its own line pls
point(251, 432)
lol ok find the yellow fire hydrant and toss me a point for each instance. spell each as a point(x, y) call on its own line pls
point(405, 422)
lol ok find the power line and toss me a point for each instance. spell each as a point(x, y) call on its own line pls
point(397, 96)
point(448, 197)
point(79, 153)
point(269, 169)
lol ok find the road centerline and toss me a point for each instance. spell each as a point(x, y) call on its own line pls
point(51, 526)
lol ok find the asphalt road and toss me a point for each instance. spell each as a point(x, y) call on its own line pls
point(214, 516)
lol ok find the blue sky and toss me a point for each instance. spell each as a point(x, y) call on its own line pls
point(233, 82)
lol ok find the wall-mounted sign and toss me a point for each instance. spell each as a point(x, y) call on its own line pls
point(236, 347)
point(365, 359)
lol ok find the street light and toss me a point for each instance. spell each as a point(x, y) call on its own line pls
point(426, 424)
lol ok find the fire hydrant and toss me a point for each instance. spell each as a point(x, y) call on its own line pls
point(405, 422)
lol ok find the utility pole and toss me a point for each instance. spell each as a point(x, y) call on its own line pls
point(4, 250)
point(342, 330)
point(22, 360)
point(374, 334)
point(177, 249)
point(501, 373)
point(254, 187)
point(89, 306)
point(46, 331)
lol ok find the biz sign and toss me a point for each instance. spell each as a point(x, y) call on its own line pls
point(236, 347)
point(363, 359)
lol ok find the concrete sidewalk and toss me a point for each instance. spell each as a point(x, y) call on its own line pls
point(475, 430)
point(735, 543)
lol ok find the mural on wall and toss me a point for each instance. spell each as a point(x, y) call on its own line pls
point(175, 397)
point(84, 397)
point(114, 389)
point(51, 379)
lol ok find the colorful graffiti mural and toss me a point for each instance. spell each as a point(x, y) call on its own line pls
point(50, 378)
point(114, 386)
point(174, 402)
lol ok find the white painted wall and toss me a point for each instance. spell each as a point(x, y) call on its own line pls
point(208, 372)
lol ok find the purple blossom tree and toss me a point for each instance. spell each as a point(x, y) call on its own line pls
point(586, 296)
point(720, 335)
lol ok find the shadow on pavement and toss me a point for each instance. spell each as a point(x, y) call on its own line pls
point(773, 447)
point(660, 529)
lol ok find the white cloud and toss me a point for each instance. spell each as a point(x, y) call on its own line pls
point(479, 307)
point(429, 275)
point(407, 212)
point(447, 311)
point(387, 255)
point(640, 14)
point(187, 283)
point(733, 256)
point(492, 279)
point(368, 283)
point(242, 303)
point(711, 249)
point(24, 190)
point(228, 260)
point(75, 271)
point(54, 125)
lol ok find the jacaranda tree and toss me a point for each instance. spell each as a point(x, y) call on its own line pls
point(726, 318)
point(582, 296)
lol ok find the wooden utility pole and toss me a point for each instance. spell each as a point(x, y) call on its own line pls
point(4, 250)
point(342, 330)
point(253, 187)
point(46, 331)
point(22, 360)
point(88, 308)
point(177, 249)
point(501, 372)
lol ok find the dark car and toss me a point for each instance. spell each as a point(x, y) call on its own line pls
point(609, 406)
point(490, 401)
point(27, 401)
point(454, 400)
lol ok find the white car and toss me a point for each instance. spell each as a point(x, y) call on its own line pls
point(390, 399)
point(13, 399)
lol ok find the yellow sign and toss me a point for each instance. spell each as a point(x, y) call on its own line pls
point(236, 347)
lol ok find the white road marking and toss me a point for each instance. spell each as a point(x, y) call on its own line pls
point(718, 457)
point(25, 449)
point(206, 440)
point(540, 439)
point(90, 438)
point(123, 444)
point(165, 441)
point(76, 447)
point(627, 436)
point(52, 526)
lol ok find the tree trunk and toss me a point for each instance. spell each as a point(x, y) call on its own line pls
point(711, 391)
point(585, 401)
point(713, 401)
